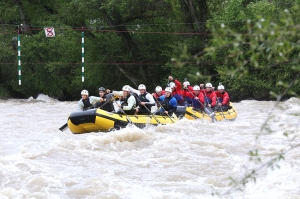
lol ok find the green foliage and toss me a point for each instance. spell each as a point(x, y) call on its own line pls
point(232, 11)
point(236, 11)
point(126, 44)
point(9, 11)
point(259, 9)
point(53, 65)
point(256, 59)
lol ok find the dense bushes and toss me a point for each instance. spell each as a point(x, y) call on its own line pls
point(248, 46)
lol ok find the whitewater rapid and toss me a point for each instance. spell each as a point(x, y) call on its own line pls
point(188, 159)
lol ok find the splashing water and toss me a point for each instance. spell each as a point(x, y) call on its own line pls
point(188, 159)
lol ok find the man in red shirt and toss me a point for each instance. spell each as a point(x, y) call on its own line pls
point(222, 99)
point(198, 99)
point(176, 91)
point(210, 97)
point(187, 93)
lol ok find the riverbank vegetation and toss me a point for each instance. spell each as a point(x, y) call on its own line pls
point(252, 47)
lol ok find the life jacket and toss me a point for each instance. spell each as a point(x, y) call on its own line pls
point(125, 103)
point(106, 105)
point(166, 103)
point(86, 103)
point(142, 98)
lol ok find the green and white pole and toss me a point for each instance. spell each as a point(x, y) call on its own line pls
point(82, 54)
point(19, 58)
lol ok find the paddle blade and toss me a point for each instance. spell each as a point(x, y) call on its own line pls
point(209, 112)
point(64, 127)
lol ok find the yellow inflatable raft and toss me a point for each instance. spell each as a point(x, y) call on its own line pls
point(231, 114)
point(98, 120)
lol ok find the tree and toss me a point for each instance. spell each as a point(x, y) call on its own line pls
point(129, 42)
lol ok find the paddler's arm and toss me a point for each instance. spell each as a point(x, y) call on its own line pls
point(134, 90)
point(94, 100)
point(80, 105)
point(151, 99)
point(118, 93)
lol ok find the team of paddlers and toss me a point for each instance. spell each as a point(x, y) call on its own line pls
point(131, 101)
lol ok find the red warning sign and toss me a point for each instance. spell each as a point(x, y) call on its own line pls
point(49, 32)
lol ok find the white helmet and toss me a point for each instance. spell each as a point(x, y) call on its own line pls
point(196, 88)
point(172, 85)
point(186, 83)
point(84, 92)
point(208, 85)
point(158, 89)
point(221, 87)
point(126, 88)
point(168, 89)
point(142, 86)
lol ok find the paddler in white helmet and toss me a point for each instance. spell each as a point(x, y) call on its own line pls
point(128, 103)
point(86, 101)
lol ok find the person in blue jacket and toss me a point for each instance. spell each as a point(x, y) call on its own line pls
point(168, 103)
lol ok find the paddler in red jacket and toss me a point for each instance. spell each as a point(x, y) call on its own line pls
point(222, 99)
point(176, 91)
point(198, 99)
point(187, 93)
point(210, 97)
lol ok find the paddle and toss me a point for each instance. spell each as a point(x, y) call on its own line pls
point(87, 108)
point(149, 111)
point(207, 110)
point(164, 109)
point(221, 108)
point(112, 98)
point(64, 127)
point(156, 110)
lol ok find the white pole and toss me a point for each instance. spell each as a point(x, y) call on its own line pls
point(82, 54)
point(19, 58)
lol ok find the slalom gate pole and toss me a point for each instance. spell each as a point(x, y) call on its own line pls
point(82, 54)
point(19, 57)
